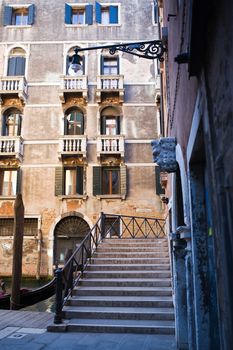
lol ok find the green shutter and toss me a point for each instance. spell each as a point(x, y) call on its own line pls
point(102, 65)
point(11, 67)
point(97, 181)
point(97, 12)
point(59, 181)
point(19, 180)
point(123, 180)
point(89, 14)
point(20, 66)
point(113, 14)
point(7, 16)
point(31, 12)
point(118, 123)
point(68, 14)
point(79, 180)
point(103, 125)
point(158, 187)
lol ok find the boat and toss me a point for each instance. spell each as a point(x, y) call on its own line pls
point(29, 297)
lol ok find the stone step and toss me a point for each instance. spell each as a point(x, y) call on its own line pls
point(126, 274)
point(119, 255)
point(140, 241)
point(122, 291)
point(118, 301)
point(129, 282)
point(133, 267)
point(116, 326)
point(117, 249)
point(143, 261)
point(121, 313)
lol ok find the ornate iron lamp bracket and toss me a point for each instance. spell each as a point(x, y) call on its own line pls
point(146, 49)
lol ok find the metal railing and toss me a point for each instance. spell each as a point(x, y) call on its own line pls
point(107, 226)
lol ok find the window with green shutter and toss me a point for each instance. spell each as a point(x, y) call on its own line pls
point(77, 14)
point(106, 14)
point(19, 16)
point(10, 182)
point(109, 180)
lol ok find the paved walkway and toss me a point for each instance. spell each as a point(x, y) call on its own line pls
point(24, 330)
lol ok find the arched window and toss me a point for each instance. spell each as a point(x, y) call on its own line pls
point(69, 67)
point(12, 120)
point(110, 121)
point(16, 62)
point(74, 122)
point(109, 65)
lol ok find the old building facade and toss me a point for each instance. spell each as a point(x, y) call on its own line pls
point(73, 142)
point(197, 104)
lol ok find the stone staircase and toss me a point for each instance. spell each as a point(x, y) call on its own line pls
point(125, 289)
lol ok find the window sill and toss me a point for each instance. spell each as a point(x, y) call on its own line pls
point(75, 25)
point(109, 25)
point(19, 26)
point(7, 197)
point(77, 196)
point(110, 196)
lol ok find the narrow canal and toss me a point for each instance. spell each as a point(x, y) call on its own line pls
point(45, 306)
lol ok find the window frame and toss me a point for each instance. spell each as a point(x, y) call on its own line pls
point(16, 183)
point(9, 18)
point(88, 14)
point(75, 170)
point(107, 6)
point(17, 124)
point(98, 179)
point(74, 123)
point(104, 65)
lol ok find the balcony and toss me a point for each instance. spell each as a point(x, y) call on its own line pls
point(11, 146)
point(110, 145)
point(73, 85)
point(16, 85)
point(73, 146)
point(110, 86)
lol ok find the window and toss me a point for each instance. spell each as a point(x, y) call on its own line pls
point(73, 181)
point(78, 15)
point(11, 123)
point(69, 181)
point(107, 14)
point(19, 15)
point(8, 182)
point(74, 122)
point(110, 121)
point(30, 226)
point(109, 65)
point(16, 62)
point(109, 180)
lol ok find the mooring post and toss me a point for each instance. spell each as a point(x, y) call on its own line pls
point(17, 251)
point(58, 296)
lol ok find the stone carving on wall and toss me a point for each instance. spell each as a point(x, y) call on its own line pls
point(164, 154)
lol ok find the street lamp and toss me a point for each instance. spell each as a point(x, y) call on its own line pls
point(145, 49)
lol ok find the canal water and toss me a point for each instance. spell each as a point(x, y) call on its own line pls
point(45, 306)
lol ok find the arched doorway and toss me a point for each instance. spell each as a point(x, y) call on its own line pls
point(68, 233)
